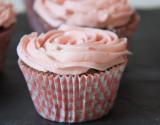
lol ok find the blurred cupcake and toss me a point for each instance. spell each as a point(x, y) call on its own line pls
point(7, 22)
point(115, 15)
point(73, 73)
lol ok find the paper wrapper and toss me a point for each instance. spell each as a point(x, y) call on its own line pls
point(129, 29)
point(35, 21)
point(39, 25)
point(72, 98)
point(5, 37)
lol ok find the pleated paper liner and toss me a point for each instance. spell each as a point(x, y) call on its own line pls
point(129, 29)
point(33, 18)
point(71, 98)
point(5, 37)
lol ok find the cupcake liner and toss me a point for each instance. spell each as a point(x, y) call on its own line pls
point(34, 19)
point(129, 29)
point(72, 98)
point(39, 25)
point(5, 37)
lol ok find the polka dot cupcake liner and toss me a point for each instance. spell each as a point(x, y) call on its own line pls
point(71, 98)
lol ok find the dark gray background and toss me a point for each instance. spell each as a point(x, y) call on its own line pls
point(138, 101)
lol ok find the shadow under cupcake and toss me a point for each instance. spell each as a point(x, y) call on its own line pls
point(117, 16)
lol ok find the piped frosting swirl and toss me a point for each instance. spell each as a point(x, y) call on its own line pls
point(72, 50)
point(88, 13)
point(7, 14)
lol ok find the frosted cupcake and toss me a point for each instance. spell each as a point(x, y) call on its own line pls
point(7, 22)
point(116, 15)
point(73, 73)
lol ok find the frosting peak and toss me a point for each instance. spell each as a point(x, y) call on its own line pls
point(7, 14)
point(72, 50)
point(89, 13)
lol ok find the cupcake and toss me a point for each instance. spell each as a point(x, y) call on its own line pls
point(114, 15)
point(7, 22)
point(73, 73)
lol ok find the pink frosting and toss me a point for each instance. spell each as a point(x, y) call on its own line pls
point(72, 50)
point(89, 13)
point(7, 14)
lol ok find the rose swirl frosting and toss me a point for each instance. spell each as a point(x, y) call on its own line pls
point(7, 14)
point(88, 13)
point(72, 50)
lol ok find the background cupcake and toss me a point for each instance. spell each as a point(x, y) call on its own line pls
point(7, 22)
point(115, 15)
point(73, 73)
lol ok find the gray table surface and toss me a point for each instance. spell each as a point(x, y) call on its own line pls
point(138, 101)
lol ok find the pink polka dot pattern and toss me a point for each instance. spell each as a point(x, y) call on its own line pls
point(73, 98)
